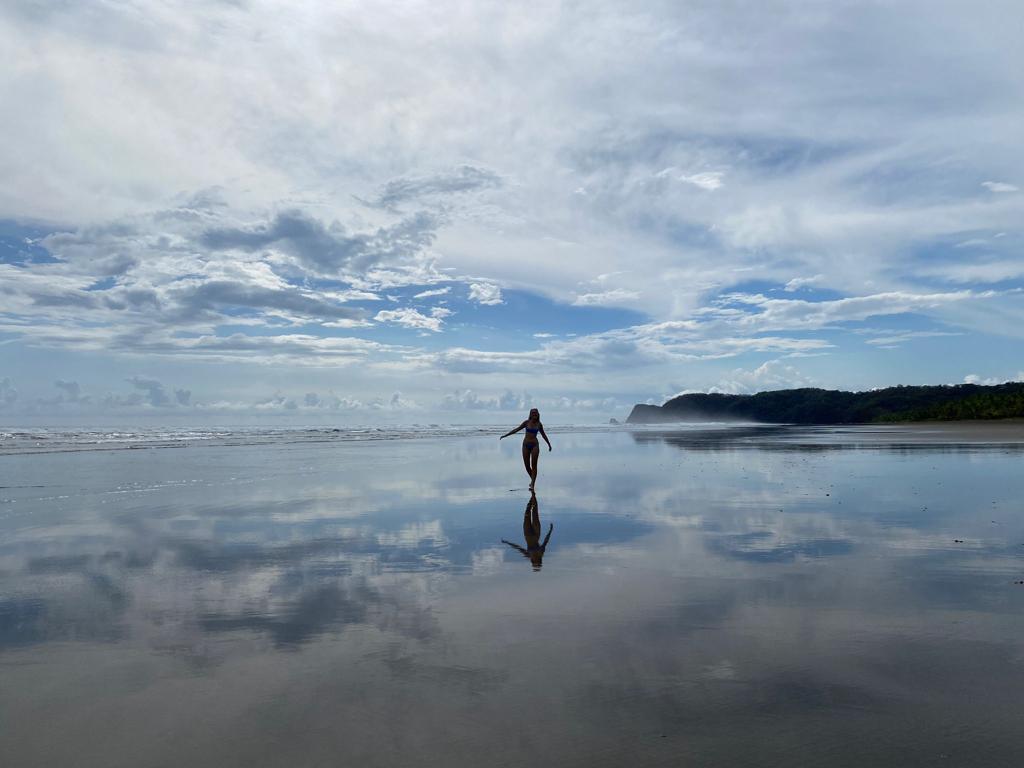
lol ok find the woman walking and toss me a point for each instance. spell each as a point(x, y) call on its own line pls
point(531, 445)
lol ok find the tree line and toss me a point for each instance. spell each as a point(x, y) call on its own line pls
point(829, 406)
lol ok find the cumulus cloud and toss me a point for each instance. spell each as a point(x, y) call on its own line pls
point(316, 401)
point(973, 378)
point(467, 399)
point(154, 391)
point(397, 402)
point(149, 393)
point(70, 390)
point(277, 401)
point(772, 374)
point(411, 318)
point(485, 293)
point(294, 404)
point(565, 403)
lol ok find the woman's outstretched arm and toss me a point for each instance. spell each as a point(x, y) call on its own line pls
point(544, 435)
point(514, 431)
point(516, 546)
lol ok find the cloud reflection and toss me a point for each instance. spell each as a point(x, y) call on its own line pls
point(788, 594)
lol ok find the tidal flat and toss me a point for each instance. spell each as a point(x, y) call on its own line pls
point(741, 596)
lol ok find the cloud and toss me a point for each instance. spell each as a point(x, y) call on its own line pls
point(709, 180)
point(329, 402)
point(772, 374)
point(606, 298)
point(433, 292)
point(999, 186)
point(286, 403)
point(174, 286)
point(994, 271)
point(70, 390)
point(192, 297)
point(764, 313)
point(467, 178)
point(277, 401)
point(292, 348)
point(154, 392)
point(802, 282)
point(897, 339)
point(225, 228)
point(467, 399)
point(626, 349)
point(283, 402)
point(485, 293)
point(328, 249)
point(397, 402)
point(577, 404)
point(973, 378)
point(411, 318)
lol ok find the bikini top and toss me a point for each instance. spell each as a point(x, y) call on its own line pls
point(533, 431)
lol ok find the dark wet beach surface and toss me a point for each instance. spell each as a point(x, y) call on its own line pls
point(773, 597)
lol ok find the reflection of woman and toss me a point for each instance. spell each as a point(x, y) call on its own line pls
point(531, 532)
point(531, 445)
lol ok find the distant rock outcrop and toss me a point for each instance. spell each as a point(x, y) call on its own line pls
point(829, 406)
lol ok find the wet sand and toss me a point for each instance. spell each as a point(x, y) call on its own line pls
point(762, 597)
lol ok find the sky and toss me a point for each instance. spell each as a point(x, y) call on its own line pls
point(409, 212)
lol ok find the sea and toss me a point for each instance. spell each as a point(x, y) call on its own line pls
point(685, 595)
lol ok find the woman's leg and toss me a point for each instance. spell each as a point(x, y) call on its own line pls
point(534, 456)
point(527, 450)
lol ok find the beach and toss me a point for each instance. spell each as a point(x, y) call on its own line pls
point(710, 595)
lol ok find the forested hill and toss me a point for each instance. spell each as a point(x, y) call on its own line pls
point(828, 406)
